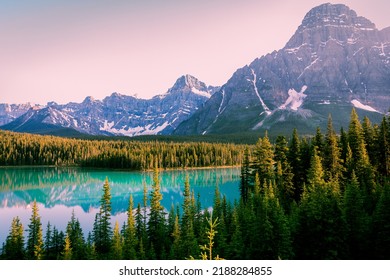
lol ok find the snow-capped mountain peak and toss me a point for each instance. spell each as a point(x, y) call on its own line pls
point(120, 114)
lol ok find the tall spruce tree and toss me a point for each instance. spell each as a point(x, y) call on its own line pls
point(35, 248)
point(315, 175)
point(318, 141)
point(67, 253)
point(14, 245)
point(383, 147)
point(294, 158)
point(102, 225)
point(117, 243)
point(130, 233)
point(189, 245)
point(320, 232)
point(74, 233)
point(264, 163)
point(357, 221)
point(245, 182)
point(332, 161)
point(156, 223)
point(381, 226)
point(284, 175)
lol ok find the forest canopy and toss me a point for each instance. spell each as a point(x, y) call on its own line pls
point(323, 197)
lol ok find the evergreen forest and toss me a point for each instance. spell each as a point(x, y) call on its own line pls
point(22, 149)
point(320, 197)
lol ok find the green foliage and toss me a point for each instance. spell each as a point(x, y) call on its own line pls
point(67, 253)
point(28, 149)
point(381, 226)
point(156, 224)
point(35, 246)
point(130, 233)
point(263, 161)
point(75, 235)
point(102, 225)
point(325, 197)
point(14, 245)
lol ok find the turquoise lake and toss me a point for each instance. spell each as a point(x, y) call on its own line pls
point(59, 191)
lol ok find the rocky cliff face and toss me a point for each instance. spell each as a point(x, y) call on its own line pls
point(335, 60)
point(120, 114)
point(10, 112)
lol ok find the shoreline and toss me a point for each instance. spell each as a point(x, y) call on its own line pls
point(119, 169)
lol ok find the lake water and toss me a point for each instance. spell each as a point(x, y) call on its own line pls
point(59, 191)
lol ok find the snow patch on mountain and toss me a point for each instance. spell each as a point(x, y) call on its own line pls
point(357, 104)
point(295, 99)
point(200, 92)
point(266, 109)
point(149, 129)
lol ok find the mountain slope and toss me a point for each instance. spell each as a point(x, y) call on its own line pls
point(336, 60)
point(120, 114)
point(10, 112)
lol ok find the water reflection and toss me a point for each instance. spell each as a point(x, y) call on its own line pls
point(59, 191)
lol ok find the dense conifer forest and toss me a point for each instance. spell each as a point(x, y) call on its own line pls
point(27, 149)
point(323, 197)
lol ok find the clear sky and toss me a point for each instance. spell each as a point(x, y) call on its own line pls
point(65, 50)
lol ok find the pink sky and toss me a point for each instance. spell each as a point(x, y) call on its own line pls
point(65, 50)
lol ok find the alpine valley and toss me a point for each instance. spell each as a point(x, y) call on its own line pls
point(336, 60)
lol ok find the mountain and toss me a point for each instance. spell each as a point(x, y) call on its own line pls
point(118, 114)
point(10, 112)
point(336, 60)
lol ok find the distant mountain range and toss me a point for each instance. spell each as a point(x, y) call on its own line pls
point(336, 60)
point(116, 114)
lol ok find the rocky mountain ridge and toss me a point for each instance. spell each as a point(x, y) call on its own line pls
point(120, 114)
point(336, 60)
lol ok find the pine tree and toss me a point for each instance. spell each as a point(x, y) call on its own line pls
point(48, 243)
point(344, 145)
point(360, 162)
point(74, 233)
point(318, 141)
point(175, 252)
point(294, 158)
point(130, 233)
point(284, 175)
point(35, 236)
point(264, 159)
point(280, 237)
point(245, 176)
point(14, 245)
point(235, 250)
point(383, 146)
point(117, 243)
point(102, 225)
point(67, 253)
point(315, 175)
point(189, 245)
point(369, 138)
point(332, 156)
point(58, 243)
point(381, 226)
point(357, 221)
point(90, 250)
point(306, 153)
point(207, 253)
point(356, 140)
point(156, 223)
point(320, 232)
point(141, 232)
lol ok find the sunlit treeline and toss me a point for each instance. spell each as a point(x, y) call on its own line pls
point(27, 149)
